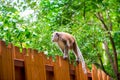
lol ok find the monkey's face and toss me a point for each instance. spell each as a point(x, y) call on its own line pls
point(55, 37)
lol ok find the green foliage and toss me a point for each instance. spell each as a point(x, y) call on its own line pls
point(76, 17)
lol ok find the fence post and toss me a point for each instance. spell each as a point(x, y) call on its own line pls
point(61, 69)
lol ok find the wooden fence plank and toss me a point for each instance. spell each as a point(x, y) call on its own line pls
point(99, 74)
point(7, 60)
point(108, 78)
point(61, 69)
point(94, 73)
point(80, 75)
point(39, 66)
point(78, 72)
point(28, 65)
point(1, 68)
point(104, 76)
point(0, 60)
point(34, 66)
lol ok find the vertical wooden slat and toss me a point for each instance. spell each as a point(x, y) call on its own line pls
point(99, 74)
point(0, 60)
point(2, 51)
point(61, 69)
point(0, 67)
point(94, 73)
point(39, 66)
point(108, 78)
point(28, 65)
point(80, 75)
point(78, 72)
point(7, 61)
point(104, 76)
point(34, 66)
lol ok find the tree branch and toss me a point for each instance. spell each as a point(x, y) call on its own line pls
point(101, 63)
point(100, 17)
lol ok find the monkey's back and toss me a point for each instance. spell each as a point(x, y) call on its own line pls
point(68, 38)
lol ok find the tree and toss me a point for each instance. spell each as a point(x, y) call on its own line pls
point(95, 24)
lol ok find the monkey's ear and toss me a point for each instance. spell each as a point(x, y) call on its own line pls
point(57, 34)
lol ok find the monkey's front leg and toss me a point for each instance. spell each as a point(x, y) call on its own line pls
point(65, 56)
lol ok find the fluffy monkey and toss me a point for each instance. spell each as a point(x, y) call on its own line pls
point(67, 42)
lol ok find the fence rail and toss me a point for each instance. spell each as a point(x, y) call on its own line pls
point(34, 65)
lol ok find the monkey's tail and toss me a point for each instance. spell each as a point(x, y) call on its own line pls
point(81, 59)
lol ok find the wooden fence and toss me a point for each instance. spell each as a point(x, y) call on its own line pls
point(31, 65)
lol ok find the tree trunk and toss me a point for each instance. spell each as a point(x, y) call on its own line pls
point(100, 17)
point(109, 57)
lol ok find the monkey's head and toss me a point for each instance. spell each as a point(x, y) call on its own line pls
point(55, 37)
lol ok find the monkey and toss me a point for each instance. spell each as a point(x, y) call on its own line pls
point(67, 42)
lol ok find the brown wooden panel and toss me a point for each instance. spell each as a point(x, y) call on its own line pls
point(99, 74)
point(104, 76)
point(34, 66)
point(39, 66)
point(8, 72)
point(61, 69)
point(94, 73)
point(0, 68)
point(28, 66)
point(80, 75)
point(108, 78)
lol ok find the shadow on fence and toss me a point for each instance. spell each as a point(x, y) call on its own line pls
point(31, 65)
